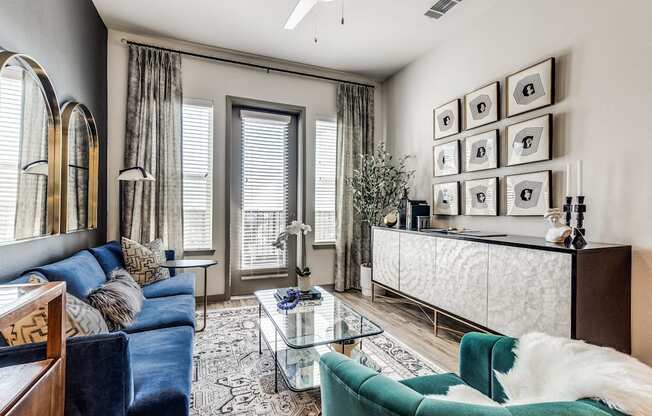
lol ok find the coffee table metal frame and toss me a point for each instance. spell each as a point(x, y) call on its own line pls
point(342, 340)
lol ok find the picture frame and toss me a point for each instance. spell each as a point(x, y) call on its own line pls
point(481, 197)
point(528, 194)
point(482, 106)
point(446, 198)
point(446, 119)
point(529, 141)
point(481, 151)
point(531, 88)
point(446, 159)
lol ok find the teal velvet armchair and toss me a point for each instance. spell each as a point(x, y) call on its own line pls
point(349, 389)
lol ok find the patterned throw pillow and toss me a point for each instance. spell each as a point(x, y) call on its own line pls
point(81, 319)
point(119, 300)
point(142, 261)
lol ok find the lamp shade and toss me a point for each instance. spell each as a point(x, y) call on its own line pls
point(38, 167)
point(135, 173)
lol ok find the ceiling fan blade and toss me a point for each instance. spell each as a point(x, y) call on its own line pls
point(300, 11)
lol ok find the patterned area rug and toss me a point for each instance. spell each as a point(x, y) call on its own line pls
point(230, 377)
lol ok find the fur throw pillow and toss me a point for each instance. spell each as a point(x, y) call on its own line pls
point(119, 300)
point(81, 319)
point(143, 261)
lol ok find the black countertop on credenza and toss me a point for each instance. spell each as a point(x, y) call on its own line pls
point(537, 243)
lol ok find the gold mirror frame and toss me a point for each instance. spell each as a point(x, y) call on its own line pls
point(54, 138)
point(93, 164)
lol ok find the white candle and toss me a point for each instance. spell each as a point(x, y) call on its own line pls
point(580, 179)
point(568, 179)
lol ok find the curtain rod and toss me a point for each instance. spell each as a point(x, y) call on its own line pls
point(235, 62)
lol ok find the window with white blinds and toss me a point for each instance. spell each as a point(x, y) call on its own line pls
point(264, 189)
point(325, 173)
point(11, 105)
point(197, 139)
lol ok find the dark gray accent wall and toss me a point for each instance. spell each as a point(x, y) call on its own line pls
point(69, 39)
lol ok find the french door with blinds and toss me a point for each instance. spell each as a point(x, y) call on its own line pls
point(263, 198)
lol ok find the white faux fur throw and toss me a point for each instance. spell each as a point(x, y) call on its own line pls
point(552, 369)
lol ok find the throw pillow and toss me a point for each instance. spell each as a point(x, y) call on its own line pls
point(119, 300)
point(143, 261)
point(81, 319)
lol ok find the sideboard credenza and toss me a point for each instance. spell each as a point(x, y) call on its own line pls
point(511, 285)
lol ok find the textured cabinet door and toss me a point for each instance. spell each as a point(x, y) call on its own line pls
point(417, 266)
point(385, 257)
point(529, 290)
point(461, 278)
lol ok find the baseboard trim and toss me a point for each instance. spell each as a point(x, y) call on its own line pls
point(211, 298)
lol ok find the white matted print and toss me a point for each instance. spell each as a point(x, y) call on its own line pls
point(482, 106)
point(446, 198)
point(529, 141)
point(447, 119)
point(529, 193)
point(531, 88)
point(446, 158)
point(481, 151)
point(481, 197)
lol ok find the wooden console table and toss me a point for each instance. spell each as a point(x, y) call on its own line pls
point(35, 388)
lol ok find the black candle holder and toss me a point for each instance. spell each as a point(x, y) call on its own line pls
point(568, 210)
point(579, 232)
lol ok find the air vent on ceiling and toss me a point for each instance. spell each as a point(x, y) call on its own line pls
point(441, 7)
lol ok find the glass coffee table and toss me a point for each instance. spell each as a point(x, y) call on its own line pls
point(299, 337)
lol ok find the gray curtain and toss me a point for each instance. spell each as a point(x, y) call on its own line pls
point(78, 158)
point(32, 197)
point(355, 137)
point(153, 140)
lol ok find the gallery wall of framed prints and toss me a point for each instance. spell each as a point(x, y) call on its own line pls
point(525, 141)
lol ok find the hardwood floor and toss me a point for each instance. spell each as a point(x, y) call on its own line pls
point(404, 321)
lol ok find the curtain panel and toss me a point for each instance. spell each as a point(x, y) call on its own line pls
point(153, 140)
point(355, 137)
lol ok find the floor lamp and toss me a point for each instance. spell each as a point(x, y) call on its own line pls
point(132, 174)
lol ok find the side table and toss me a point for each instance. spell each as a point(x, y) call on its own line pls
point(190, 264)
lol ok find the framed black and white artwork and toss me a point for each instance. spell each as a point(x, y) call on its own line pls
point(481, 197)
point(528, 193)
point(481, 151)
point(482, 106)
point(447, 119)
point(446, 198)
point(529, 141)
point(531, 88)
point(446, 158)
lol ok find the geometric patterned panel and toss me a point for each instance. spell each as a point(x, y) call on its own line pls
point(529, 290)
point(81, 319)
point(461, 278)
point(142, 261)
point(386, 257)
point(417, 266)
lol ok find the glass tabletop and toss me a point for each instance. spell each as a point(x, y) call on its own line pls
point(314, 323)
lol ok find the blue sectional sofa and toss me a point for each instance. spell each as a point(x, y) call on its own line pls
point(144, 370)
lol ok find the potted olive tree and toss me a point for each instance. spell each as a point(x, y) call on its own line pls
point(377, 187)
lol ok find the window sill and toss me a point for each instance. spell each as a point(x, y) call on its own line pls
point(319, 246)
point(191, 253)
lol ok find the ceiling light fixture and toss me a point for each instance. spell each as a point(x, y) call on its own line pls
point(300, 11)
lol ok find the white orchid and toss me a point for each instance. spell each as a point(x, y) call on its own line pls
point(294, 228)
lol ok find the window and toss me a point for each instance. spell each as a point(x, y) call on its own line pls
point(264, 188)
point(11, 107)
point(325, 173)
point(197, 139)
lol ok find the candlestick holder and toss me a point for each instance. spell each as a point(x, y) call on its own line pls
point(579, 232)
point(568, 210)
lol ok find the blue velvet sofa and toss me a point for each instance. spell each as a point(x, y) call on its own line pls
point(145, 369)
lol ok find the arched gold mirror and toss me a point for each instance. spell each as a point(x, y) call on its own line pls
point(29, 138)
point(80, 168)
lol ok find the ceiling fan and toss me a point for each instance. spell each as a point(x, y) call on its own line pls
point(300, 11)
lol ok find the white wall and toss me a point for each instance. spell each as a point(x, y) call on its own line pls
point(214, 81)
point(604, 56)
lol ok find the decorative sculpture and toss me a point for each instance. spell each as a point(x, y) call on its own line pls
point(557, 232)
